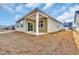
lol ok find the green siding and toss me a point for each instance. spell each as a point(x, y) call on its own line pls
point(44, 29)
point(34, 25)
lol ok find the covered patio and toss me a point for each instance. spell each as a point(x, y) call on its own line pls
point(36, 23)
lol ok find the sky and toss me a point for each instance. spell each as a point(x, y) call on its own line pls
point(11, 12)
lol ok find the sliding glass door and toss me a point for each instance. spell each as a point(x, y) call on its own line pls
point(30, 26)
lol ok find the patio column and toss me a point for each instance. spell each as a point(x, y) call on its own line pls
point(37, 20)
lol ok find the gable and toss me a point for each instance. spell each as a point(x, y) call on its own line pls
point(41, 12)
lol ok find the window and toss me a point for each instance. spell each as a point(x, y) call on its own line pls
point(41, 24)
point(30, 26)
point(17, 26)
point(57, 26)
point(21, 25)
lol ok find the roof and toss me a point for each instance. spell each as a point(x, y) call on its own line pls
point(37, 9)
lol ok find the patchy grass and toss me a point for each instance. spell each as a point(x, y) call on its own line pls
point(53, 43)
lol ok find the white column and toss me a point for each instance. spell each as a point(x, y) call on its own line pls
point(37, 20)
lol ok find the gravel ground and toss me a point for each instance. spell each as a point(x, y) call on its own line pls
point(18, 43)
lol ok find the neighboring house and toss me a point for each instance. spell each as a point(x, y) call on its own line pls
point(2, 27)
point(68, 25)
point(76, 21)
point(10, 27)
point(38, 23)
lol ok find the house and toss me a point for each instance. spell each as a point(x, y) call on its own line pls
point(10, 27)
point(68, 25)
point(76, 21)
point(2, 27)
point(38, 23)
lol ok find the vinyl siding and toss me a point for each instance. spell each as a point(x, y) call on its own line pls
point(44, 29)
point(19, 26)
point(52, 25)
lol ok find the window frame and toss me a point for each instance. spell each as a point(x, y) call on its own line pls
point(41, 24)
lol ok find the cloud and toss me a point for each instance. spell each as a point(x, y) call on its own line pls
point(18, 17)
point(8, 7)
point(75, 8)
point(48, 5)
point(19, 8)
point(68, 16)
point(62, 9)
point(32, 5)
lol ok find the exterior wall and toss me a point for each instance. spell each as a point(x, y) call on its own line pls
point(50, 25)
point(77, 29)
point(25, 25)
point(53, 26)
point(19, 28)
point(60, 26)
point(44, 29)
point(77, 23)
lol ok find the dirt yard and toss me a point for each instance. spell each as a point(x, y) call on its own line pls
point(50, 44)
